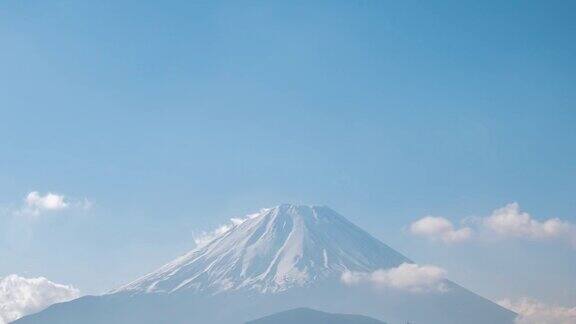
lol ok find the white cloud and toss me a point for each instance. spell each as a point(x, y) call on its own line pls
point(407, 276)
point(22, 296)
point(531, 311)
point(36, 204)
point(206, 237)
point(50, 201)
point(509, 222)
point(440, 228)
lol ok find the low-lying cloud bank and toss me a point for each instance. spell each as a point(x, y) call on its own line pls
point(531, 311)
point(22, 296)
point(407, 276)
point(508, 222)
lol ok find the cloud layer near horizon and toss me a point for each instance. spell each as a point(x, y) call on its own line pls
point(507, 222)
point(22, 296)
point(531, 311)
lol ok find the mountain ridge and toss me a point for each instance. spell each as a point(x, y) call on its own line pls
point(304, 315)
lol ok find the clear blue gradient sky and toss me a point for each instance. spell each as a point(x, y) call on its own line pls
point(173, 116)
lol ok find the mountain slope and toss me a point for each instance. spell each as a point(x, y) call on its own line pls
point(310, 316)
point(281, 258)
point(272, 251)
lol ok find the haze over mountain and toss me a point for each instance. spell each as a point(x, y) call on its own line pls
point(281, 258)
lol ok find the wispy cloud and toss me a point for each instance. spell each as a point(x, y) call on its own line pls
point(20, 219)
point(508, 222)
point(407, 277)
point(440, 228)
point(22, 296)
point(531, 311)
point(204, 238)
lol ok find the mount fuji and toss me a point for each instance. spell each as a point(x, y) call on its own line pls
point(273, 251)
point(281, 258)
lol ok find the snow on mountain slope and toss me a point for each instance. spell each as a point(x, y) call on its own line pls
point(274, 250)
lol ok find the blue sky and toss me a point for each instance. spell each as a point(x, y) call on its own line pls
point(171, 117)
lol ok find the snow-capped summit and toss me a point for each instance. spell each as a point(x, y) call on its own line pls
point(271, 251)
